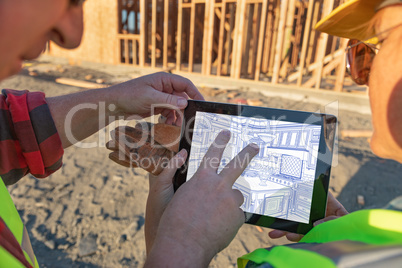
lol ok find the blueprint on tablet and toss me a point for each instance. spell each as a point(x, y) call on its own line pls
point(279, 180)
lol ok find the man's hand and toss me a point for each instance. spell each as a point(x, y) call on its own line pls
point(334, 211)
point(204, 214)
point(161, 91)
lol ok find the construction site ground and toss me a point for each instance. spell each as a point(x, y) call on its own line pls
point(90, 213)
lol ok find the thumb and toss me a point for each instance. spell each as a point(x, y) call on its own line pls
point(168, 172)
point(329, 218)
point(167, 99)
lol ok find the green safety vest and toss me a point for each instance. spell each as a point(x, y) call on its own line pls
point(370, 231)
point(12, 219)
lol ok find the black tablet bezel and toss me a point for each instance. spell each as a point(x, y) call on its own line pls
point(324, 158)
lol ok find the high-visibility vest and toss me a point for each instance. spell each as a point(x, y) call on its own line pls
point(19, 234)
point(363, 236)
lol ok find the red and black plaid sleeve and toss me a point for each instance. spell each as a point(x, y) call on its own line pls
point(29, 142)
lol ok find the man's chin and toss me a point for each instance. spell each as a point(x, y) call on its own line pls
point(4, 74)
point(381, 150)
point(7, 72)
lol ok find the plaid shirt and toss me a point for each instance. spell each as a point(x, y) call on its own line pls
point(29, 142)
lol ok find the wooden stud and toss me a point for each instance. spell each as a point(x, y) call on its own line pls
point(191, 45)
point(327, 7)
point(261, 40)
point(165, 33)
point(173, 30)
point(179, 35)
point(143, 34)
point(356, 133)
point(199, 39)
point(237, 51)
point(256, 28)
point(235, 38)
point(267, 36)
point(312, 42)
point(186, 37)
point(287, 38)
point(301, 7)
point(153, 37)
point(274, 39)
point(248, 26)
point(135, 51)
point(205, 38)
point(215, 33)
point(279, 43)
point(340, 71)
point(78, 83)
point(229, 40)
point(221, 36)
point(305, 42)
point(210, 33)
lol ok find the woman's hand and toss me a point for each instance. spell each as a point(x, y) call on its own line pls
point(334, 210)
point(204, 214)
point(160, 193)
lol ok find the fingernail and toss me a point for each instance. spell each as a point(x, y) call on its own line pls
point(317, 222)
point(255, 146)
point(181, 102)
point(226, 132)
point(182, 153)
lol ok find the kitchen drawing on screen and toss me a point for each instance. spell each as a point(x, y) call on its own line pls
point(279, 180)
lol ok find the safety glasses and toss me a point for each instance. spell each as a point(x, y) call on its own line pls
point(359, 57)
point(76, 2)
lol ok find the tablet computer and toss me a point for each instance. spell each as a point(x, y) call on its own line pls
point(285, 186)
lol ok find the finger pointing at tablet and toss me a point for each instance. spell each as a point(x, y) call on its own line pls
point(204, 215)
point(212, 158)
point(238, 164)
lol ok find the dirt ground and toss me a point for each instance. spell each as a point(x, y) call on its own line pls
point(91, 212)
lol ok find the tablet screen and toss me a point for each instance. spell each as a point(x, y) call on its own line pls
point(285, 186)
point(279, 181)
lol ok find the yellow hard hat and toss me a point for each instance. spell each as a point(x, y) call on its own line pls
point(344, 21)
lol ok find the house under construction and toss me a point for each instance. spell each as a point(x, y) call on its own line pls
point(263, 40)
